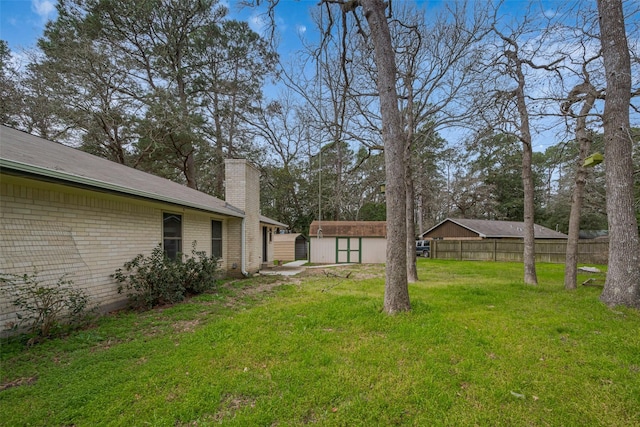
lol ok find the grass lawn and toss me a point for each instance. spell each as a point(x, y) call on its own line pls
point(478, 348)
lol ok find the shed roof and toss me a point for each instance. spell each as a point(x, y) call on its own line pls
point(499, 229)
point(25, 154)
point(287, 237)
point(349, 228)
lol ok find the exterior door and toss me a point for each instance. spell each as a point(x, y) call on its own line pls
point(264, 244)
point(348, 250)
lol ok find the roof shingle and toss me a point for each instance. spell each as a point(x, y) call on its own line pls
point(22, 153)
point(500, 229)
point(349, 228)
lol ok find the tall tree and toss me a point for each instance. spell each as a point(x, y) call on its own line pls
point(622, 286)
point(520, 53)
point(396, 295)
point(41, 110)
point(157, 84)
point(282, 127)
point(428, 155)
point(497, 161)
point(514, 65)
point(9, 93)
point(236, 59)
point(588, 94)
point(434, 64)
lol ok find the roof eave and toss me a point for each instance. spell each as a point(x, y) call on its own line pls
point(94, 183)
point(273, 222)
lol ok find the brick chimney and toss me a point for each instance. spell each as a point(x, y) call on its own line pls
point(242, 190)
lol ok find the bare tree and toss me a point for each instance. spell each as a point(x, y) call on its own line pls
point(434, 65)
point(588, 94)
point(518, 55)
point(585, 93)
point(514, 65)
point(396, 295)
point(378, 34)
point(622, 286)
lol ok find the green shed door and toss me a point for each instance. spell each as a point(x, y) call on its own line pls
point(348, 249)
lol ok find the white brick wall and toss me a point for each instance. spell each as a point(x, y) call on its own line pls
point(242, 190)
point(58, 229)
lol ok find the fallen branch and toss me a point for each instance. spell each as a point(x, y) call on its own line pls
point(331, 274)
point(592, 282)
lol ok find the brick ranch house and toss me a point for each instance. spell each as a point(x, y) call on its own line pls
point(64, 211)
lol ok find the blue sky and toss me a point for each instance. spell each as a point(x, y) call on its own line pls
point(22, 21)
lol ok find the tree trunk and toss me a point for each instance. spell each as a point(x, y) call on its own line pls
point(190, 170)
point(583, 138)
point(396, 293)
point(218, 166)
point(412, 270)
point(622, 286)
point(337, 190)
point(530, 276)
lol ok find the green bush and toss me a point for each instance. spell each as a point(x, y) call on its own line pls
point(155, 279)
point(200, 272)
point(44, 308)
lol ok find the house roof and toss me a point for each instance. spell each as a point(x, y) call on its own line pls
point(25, 154)
point(267, 220)
point(349, 228)
point(500, 229)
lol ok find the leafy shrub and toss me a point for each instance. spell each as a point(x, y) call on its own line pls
point(45, 307)
point(200, 272)
point(155, 279)
point(150, 280)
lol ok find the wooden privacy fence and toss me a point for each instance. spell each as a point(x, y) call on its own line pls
point(589, 252)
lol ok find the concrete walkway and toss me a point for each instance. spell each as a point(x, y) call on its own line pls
point(288, 269)
point(295, 263)
point(293, 268)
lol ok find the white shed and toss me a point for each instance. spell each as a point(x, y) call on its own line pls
point(363, 242)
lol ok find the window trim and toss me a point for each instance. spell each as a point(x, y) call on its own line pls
point(217, 239)
point(177, 239)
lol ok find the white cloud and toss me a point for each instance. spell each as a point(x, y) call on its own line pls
point(301, 29)
point(43, 8)
point(18, 60)
point(257, 22)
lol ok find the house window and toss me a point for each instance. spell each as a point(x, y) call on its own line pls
point(216, 239)
point(172, 234)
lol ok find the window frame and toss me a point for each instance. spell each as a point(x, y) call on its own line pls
point(217, 239)
point(170, 252)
